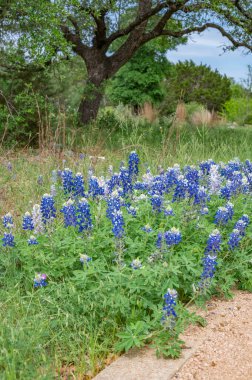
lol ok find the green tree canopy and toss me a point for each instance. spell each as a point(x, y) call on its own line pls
point(197, 83)
point(140, 80)
point(46, 30)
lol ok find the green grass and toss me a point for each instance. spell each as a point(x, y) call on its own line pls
point(184, 146)
point(73, 324)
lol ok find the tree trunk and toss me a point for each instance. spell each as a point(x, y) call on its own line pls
point(89, 106)
point(98, 72)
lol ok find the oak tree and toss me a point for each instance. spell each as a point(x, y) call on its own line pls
point(50, 29)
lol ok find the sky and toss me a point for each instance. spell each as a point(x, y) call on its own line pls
point(206, 48)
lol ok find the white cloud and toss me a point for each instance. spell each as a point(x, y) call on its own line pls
point(207, 48)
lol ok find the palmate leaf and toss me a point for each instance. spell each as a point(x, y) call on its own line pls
point(134, 335)
point(167, 344)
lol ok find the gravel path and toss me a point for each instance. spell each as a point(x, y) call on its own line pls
point(220, 351)
point(226, 350)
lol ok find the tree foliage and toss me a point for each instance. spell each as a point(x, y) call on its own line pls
point(34, 99)
point(198, 83)
point(49, 30)
point(140, 80)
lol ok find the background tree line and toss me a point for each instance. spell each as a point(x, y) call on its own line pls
point(60, 60)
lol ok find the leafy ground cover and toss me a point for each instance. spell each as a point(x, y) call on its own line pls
point(110, 261)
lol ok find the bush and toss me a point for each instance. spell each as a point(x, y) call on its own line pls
point(238, 109)
point(188, 82)
point(248, 119)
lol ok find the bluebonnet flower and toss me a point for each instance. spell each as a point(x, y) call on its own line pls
point(168, 211)
point(54, 176)
point(170, 178)
point(242, 224)
point(234, 239)
point(245, 219)
point(209, 268)
point(84, 219)
point(172, 237)
point(27, 222)
point(78, 185)
point(110, 170)
point(215, 180)
point(237, 182)
point(245, 186)
point(226, 191)
point(192, 177)
point(213, 243)
point(232, 166)
point(40, 180)
point(9, 166)
point(118, 223)
point(158, 186)
point(233, 186)
point(47, 208)
point(82, 156)
point(8, 240)
point(204, 211)
point(7, 220)
point(90, 172)
point(122, 164)
point(206, 166)
point(133, 165)
point(69, 212)
point(140, 186)
point(113, 203)
point(125, 180)
point(147, 178)
point(40, 280)
point(249, 178)
point(147, 228)
point(67, 180)
point(157, 255)
point(181, 188)
point(113, 182)
point(37, 219)
point(132, 210)
point(248, 166)
point(224, 214)
point(159, 241)
point(201, 197)
point(156, 202)
point(170, 315)
point(209, 259)
point(85, 259)
point(230, 208)
point(136, 264)
point(32, 240)
point(94, 189)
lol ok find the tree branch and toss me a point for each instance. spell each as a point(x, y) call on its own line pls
point(75, 25)
point(245, 13)
point(138, 21)
point(78, 46)
point(242, 22)
point(181, 33)
point(101, 29)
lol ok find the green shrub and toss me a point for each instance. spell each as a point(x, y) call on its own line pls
point(248, 119)
point(237, 109)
